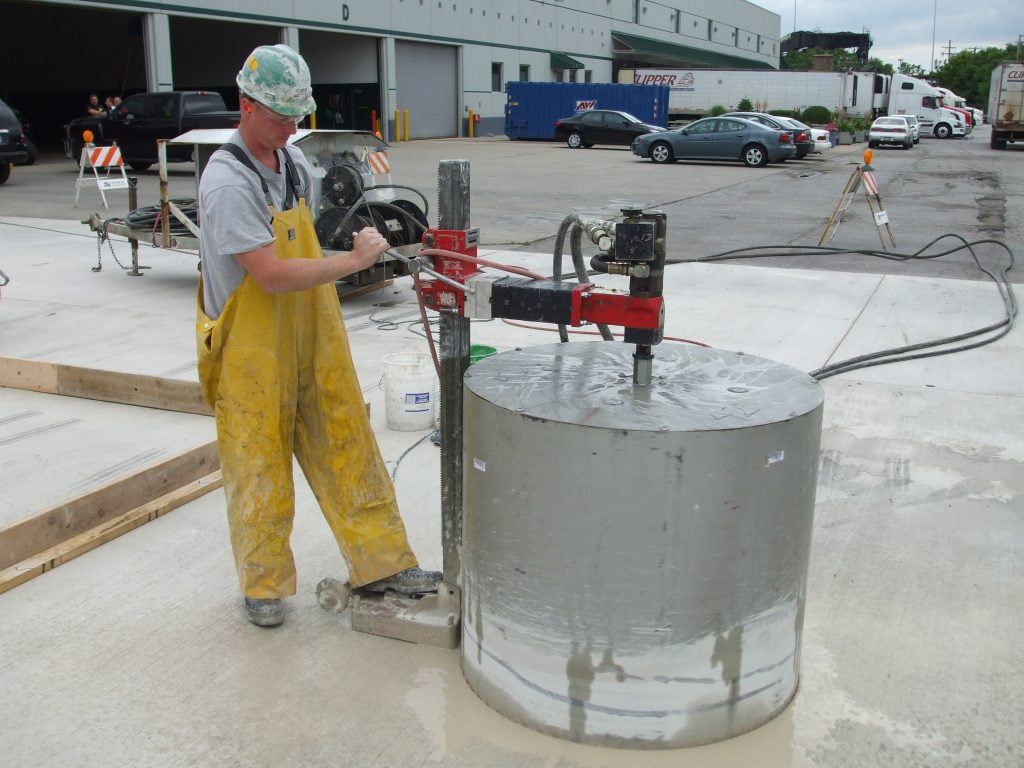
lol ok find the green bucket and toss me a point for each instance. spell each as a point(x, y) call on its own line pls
point(478, 352)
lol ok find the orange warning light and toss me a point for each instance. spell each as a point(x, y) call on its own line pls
point(379, 135)
point(87, 136)
point(867, 157)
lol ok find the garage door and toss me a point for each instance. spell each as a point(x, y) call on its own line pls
point(427, 82)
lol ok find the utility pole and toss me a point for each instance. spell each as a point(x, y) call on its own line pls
point(935, 16)
point(948, 49)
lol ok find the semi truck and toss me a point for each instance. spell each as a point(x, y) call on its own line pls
point(911, 96)
point(1006, 104)
point(693, 92)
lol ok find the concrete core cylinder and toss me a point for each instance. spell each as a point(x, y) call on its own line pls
point(635, 559)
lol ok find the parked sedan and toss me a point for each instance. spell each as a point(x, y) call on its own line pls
point(718, 138)
point(801, 136)
point(818, 135)
point(12, 144)
point(915, 127)
point(891, 131)
point(601, 126)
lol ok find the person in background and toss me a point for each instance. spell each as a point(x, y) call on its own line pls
point(274, 360)
point(93, 108)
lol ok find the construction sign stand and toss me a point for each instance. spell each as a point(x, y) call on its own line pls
point(862, 176)
point(107, 159)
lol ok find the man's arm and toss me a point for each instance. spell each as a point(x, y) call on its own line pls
point(276, 275)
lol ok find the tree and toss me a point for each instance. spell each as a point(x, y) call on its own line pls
point(968, 73)
point(879, 66)
point(906, 68)
point(842, 60)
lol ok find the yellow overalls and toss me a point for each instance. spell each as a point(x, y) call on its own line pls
point(277, 370)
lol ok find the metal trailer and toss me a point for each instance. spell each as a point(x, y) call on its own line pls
point(533, 108)
point(1006, 104)
point(352, 168)
point(694, 92)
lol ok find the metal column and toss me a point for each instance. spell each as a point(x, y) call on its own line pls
point(453, 213)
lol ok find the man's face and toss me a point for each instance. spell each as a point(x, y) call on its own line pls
point(274, 128)
point(94, 99)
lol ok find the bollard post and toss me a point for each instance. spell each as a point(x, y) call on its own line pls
point(405, 120)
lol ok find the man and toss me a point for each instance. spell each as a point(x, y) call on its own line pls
point(274, 360)
point(93, 108)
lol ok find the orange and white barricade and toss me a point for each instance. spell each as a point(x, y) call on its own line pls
point(96, 159)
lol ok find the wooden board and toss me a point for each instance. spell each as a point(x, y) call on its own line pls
point(52, 527)
point(109, 386)
point(61, 553)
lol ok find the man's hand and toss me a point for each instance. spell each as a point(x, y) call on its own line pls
point(367, 246)
point(276, 275)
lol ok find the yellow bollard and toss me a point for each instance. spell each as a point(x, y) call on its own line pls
point(405, 120)
point(398, 125)
point(312, 120)
point(469, 126)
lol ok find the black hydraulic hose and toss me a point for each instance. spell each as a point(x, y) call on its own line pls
point(148, 216)
point(572, 221)
point(935, 347)
point(395, 209)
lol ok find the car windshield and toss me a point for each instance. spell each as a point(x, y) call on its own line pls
point(890, 121)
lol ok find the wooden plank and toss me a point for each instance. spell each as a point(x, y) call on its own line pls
point(109, 386)
point(53, 526)
point(68, 550)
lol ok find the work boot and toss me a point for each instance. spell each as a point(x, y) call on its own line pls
point(265, 612)
point(411, 581)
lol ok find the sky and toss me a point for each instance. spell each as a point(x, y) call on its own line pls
point(904, 30)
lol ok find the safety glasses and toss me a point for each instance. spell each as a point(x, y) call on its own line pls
point(282, 120)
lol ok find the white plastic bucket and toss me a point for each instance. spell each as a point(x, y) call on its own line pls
point(410, 391)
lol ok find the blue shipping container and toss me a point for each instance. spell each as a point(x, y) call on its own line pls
point(531, 109)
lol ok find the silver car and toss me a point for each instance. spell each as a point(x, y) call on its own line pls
point(718, 138)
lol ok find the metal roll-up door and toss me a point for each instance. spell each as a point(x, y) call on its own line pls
point(427, 87)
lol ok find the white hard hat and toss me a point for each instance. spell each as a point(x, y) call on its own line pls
point(277, 77)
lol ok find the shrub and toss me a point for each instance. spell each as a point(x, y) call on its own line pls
point(816, 116)
point(718, 109)
point(787, 113)
point(745, 105)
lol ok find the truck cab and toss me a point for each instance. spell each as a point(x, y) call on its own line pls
point(957, 103)
point(910, 96)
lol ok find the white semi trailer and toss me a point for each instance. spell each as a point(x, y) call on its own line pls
point(693, 92)
point(1005, 104)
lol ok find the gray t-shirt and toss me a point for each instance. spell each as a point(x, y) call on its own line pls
point(234, 218)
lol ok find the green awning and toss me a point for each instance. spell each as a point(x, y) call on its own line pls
point(564, 61)
point(660, 52)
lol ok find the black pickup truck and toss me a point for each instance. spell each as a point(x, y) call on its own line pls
point(146, 117)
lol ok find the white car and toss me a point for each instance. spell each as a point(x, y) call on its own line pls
point(891, 131)
point(822, 143)
point(915, 126)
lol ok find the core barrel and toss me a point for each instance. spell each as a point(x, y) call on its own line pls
point(634, 560)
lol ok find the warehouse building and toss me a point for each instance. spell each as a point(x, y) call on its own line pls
point(442, 60)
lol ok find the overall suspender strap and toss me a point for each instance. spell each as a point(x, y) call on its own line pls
point(291, 193)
